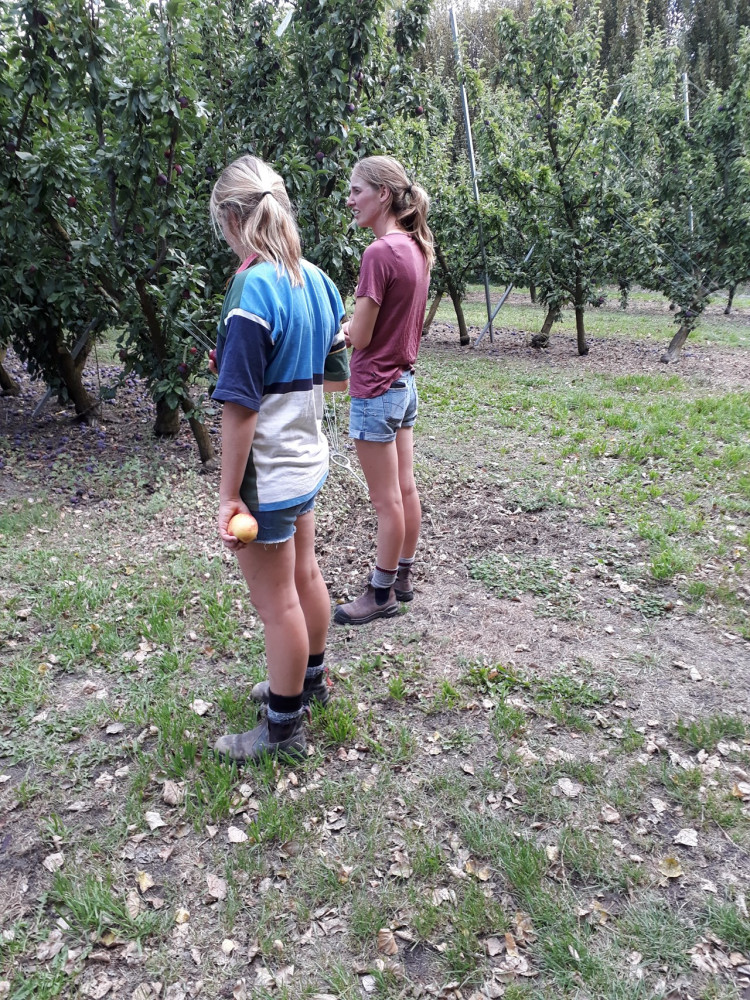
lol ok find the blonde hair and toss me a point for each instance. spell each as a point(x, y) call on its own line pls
point(254, 195)
point(410, 202)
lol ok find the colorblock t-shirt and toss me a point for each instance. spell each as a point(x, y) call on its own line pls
point(276, 344)
point(394, 274)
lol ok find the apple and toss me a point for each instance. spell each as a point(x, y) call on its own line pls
point(182, 369)
point(212, 355)
point(320, 156)
point(351, 107)
point(161, 180)
point(420, 110)
point(72, 201)
point(139, 230)
point(168, 153)
point(183, 101)
point(178, 169)
point(193, 350)
point(10, 147)
point(186, 293)
point(244, 527)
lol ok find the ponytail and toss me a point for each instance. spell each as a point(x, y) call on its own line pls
point(410, 202)
point(253, 194)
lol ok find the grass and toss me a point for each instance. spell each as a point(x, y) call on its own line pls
point(656, 323)
point(431, 804)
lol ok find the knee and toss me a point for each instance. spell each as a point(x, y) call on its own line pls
point(274, 607)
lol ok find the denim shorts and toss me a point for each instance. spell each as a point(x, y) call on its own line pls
point(277, 526)
point(378, 419)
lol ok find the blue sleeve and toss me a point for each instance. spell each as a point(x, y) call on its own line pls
point(242, 359)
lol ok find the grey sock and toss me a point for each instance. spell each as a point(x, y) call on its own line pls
point(383, 578)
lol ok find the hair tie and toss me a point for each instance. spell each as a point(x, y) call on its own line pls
point(263, 194)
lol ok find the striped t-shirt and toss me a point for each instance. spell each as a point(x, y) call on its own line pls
point(276, 343)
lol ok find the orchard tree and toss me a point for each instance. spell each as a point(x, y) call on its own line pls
point(689, 183)
point(558, 165)
point(99, 106)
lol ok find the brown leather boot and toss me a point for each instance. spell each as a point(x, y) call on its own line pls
point(285, 739)
point(403, 587)
point(367, 608)
point(318, 689)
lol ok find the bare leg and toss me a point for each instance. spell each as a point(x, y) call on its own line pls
point(311, 588)
point(380, 465)
point(409, 496)
point(269, 571)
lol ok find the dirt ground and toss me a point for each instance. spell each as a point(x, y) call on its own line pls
point(663, 667)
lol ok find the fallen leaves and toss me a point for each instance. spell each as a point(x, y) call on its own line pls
point(54, 862)
point(686, 838)
point(154, 820)
point(609, 814)
point(670, 867)
point(387, 943)
point(216, 887)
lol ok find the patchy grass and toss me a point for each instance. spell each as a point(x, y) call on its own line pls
point(492, 795)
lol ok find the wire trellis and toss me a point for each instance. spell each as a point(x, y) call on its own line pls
point(336, 448)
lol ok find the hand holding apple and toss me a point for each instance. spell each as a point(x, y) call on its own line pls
point(244, 527)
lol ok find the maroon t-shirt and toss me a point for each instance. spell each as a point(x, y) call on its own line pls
point(394, 274)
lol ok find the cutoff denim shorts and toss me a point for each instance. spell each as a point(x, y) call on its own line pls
point(277, 526)
point(380, 418)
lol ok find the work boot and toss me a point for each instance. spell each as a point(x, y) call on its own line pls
point(374, 603)
point(403, 587)
point(316, 689)
point(286, 739)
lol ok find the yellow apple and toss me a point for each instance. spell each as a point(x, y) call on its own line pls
point(244, 527)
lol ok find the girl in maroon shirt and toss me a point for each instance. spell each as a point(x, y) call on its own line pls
point(385, 332)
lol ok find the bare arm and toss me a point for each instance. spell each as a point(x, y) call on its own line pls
point(329, 386)
point(359, 329)
point(237, 432)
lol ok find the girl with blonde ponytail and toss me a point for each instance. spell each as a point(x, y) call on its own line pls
point(385, 332)
point(279, 346)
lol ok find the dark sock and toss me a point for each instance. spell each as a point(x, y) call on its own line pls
point(283, 708)
point(314, 667)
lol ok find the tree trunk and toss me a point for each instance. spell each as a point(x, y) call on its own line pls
point(580, 307)
point(8, 385)
point(676, 344)
point(732, 289)
point(433, 310)
point(202, 437)
point(541, 339)
point(70, 369)
point(532, 292)
point(463, 332)
point(583, 347)
point(167, 423)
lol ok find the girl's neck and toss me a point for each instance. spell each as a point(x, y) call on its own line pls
point(386, 225)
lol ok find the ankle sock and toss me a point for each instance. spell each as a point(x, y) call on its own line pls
point(383, 578)
point(315, 667)
point(284, 708)
point(406, 563)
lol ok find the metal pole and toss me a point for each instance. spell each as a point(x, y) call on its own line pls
point(686, 103)
point(472, 165)
point(501, 303)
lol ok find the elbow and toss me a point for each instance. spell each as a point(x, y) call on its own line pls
point(329, 386)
